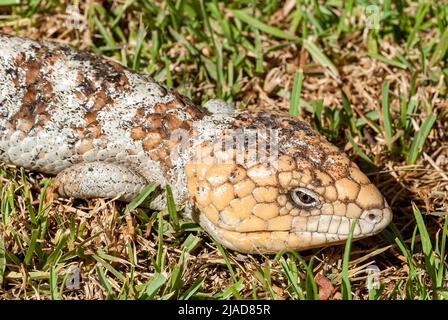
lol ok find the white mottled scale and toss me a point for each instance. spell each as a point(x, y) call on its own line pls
point(55, 147)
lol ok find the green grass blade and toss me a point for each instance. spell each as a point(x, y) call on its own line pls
point(105, 33)
point(175, 280)
point(418, 19)
point(31, 247)
point(312, 292)
point(320, 57)
point(171, 207)
point(259, 52)
point(264, 276)
point(26, 195)
point(7, 204)
point(138, 47)
point(191, 291)
point(348, 110)
point(346, 288)
point(191, 243)
point(227, 261)
point(108, 257)
point(426, 244)
point(141, 196)
point(394, 291)
point(160, 258)
point(103, 279)
point(385, 110)
point(295, 95)
point(412, 268)
point(420, 138)
point(442, 268)
point(2, 260)
point(230, 291)
point(255, 23)
point(9, 2)
point(154, 285)
point(358, 149)
point(292, 276)
point(109, 268)
point(54, 283)
point(219, 65)
point(167, 70)
point(388, 61)
point(56, 255)
point(441, 49)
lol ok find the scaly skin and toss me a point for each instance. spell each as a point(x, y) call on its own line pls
point(106, 131)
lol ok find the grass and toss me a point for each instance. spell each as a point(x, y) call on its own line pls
point(379, 93)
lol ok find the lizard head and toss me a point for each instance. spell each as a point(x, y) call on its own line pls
point(284, 187)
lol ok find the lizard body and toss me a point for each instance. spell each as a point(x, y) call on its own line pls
point(258, 182)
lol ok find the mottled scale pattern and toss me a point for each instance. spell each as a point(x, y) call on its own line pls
point(60, 107)
point(106, 131)
point(249, 206)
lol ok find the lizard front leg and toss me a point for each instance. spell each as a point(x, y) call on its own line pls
point(99, 180)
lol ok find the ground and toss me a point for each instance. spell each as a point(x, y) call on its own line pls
point(371, 76)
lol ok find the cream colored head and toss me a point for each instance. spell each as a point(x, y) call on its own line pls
point(308, 199)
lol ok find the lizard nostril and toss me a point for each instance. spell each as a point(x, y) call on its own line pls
point(374, 216)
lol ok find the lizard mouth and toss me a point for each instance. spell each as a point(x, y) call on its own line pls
point(308, 232)
point(369, 223)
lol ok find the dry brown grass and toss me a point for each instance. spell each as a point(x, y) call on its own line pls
point(361, 77)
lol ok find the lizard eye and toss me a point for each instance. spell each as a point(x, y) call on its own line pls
point(304, 198)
